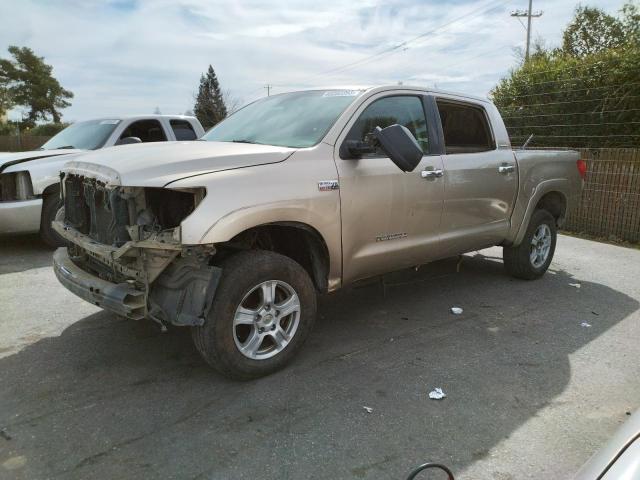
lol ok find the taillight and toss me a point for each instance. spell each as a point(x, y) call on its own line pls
point(582, 168)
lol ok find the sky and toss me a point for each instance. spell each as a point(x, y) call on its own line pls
point(131, 56)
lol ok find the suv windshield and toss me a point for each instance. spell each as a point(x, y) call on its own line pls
point(296, 120)
point(88, 135)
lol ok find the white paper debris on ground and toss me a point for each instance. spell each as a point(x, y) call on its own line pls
point(585, 325)
point(456, 310)
point(437, 394)
point(368, 409)
point(575, 285)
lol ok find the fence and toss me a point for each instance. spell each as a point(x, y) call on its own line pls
point(610, 202)
point(23, 143)
point(590, 104)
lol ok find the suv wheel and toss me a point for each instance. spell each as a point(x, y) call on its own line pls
point(262, 312)
point(50, 206)
point(532, 257)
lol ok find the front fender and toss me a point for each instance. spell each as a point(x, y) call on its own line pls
point(289, 191)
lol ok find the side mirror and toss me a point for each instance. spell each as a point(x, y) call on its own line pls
point(128, 140)
point(400, 146)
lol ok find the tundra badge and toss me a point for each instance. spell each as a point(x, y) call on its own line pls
point(326, 185)
point(390, 236)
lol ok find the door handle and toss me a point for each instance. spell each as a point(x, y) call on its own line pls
point(431, 174)
point(506, 168)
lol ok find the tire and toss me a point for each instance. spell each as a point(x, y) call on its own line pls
point(520, 261)
point(50, 205)
point(246, 276)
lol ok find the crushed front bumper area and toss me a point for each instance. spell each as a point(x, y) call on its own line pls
point(120, 298)
point(161, 282)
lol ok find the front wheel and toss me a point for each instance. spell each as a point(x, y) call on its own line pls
point(50, 205)
point(531, 259)
point(262, 312)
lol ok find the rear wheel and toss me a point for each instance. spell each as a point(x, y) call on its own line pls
point(263, 311)
point(50, 205)
point(531, 259)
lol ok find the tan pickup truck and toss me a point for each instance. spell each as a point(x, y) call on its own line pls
point(298, 194)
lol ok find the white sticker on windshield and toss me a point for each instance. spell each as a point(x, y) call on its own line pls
point(341, 93)
point(109, 122)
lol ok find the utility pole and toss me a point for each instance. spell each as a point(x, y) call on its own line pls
point(268, 87)
point(529, 14)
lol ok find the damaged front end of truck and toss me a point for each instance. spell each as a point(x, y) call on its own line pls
point(125, 253)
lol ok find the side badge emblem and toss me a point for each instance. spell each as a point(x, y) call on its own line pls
point(326, 185)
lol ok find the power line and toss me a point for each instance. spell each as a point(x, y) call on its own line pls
point(573, 90)
point(579, 136)
point(552, 81)
point(573, 125)
point(573, 113)
point(570, 101)
point(465, 60)
point(402, 45)
point(602, 62)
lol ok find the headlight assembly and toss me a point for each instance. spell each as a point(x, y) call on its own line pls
point(15, 186)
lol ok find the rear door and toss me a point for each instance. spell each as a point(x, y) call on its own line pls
point(390, 218)
point(480, 179)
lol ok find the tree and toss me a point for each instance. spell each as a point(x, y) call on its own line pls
point(6, 103)
point(585, 94)
point(29, 82)
point(210, 107)
point(232, 103)
point(592, 31)
point(631, 22)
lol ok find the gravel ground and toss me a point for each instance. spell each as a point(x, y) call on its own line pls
point(530, 392)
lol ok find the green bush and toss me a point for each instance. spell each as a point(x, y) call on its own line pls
point(585, 94)
point(8, 128)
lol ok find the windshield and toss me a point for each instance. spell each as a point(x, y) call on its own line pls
point(297, 120)
point(88, 135)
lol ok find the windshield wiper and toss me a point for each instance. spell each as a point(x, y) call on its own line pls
point(243, 140)
point(65, 147)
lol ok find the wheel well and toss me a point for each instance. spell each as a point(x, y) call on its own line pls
point(51, 190)
point(298, 241)
point(556, 204)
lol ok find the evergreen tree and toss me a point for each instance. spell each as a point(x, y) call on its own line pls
point(210, 107)
point(29, 81)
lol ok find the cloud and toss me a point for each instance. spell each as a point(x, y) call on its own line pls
point(129, 56)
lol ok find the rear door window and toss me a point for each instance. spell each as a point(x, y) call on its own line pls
point(183, 130)
point(145, 130)
point(403, 110)
point(465, 128)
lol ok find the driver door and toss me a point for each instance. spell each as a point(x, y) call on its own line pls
point(390, 218)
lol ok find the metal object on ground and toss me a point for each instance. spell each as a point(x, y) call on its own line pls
point(427, 466)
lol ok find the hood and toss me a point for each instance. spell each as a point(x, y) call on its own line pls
point(36, 156)
point(158, 164)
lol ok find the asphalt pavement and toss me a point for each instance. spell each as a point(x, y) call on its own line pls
point(537, 375)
